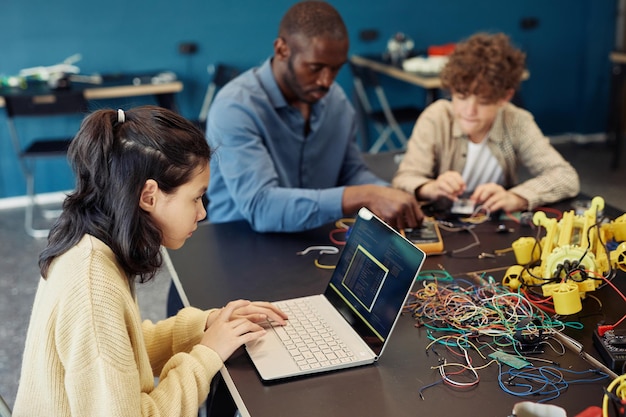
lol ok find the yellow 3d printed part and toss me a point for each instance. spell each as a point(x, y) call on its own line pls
point(513, 277)
point(571, 258)
point(526, 250)
point(566, 299)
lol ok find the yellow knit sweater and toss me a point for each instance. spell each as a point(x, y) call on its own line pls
point(88, 353)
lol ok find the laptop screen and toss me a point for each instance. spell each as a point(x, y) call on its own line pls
point(375, 272)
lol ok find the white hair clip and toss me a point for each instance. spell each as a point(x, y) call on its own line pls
point(121, 116)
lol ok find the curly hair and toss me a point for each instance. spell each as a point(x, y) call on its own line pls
point(112, 159)
point(485, 65)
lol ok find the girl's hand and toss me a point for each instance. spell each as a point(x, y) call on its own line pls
point(256, 311)
point(236, 324)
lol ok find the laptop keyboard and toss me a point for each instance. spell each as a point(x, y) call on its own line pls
point(310, 341)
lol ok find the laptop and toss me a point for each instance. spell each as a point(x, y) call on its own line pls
point(355, 315)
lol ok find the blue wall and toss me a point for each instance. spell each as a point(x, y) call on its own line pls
point(568, 90)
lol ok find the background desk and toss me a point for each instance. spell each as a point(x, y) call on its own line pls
point(432, 84)
point(114, 86)
point(116, 91)
point(222, 262)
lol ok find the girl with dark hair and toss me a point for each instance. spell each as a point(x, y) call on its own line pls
point(140, 178)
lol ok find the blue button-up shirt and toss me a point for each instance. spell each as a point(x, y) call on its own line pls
point(266, 171)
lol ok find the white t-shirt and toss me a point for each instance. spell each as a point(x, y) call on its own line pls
point(481, 166)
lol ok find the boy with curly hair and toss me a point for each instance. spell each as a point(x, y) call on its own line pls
point(474, 143)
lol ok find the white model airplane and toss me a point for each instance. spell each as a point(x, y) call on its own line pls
point(53, 74)
point(46, 72)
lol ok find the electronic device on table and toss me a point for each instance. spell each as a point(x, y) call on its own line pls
point(612, 348)
point(354, 316)
point(463, 207)
point(427, 237)
point(445, 209)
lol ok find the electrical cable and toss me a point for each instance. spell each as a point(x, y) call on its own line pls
point(322, 250)
point(469, 246)
point(481, 214)
point(472, 318)
point(557, 213)
point(335, 232)
point(619, 396)
point(548, 381)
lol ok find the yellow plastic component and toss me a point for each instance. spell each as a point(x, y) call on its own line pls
point(583, 287)
point(526, 250)
point(618, 256)
point(513, 277)
point(618, 228)
point(571, 242)
point(568, 254)
point(566, 299)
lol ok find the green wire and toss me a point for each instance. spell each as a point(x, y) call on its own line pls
point(434, 275)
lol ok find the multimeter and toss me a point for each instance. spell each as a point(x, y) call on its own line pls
point(426, 237)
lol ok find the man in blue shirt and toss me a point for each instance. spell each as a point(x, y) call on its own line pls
point(285, 137)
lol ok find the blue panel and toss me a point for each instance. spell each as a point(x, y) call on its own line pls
point(568, 90)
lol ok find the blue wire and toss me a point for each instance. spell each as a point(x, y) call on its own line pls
point(546, 380)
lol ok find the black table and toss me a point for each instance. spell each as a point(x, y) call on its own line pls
point(113, 86)
point(222, 262)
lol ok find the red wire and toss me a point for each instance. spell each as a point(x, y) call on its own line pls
point(556, 212)
point(511, 216)
point(332, 236)
point(610, 283)
point(538, 302)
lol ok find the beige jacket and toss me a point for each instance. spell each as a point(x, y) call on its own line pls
point(437, 145)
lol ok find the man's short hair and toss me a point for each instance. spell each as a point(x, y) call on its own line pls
point(486, 65)
point(313, 19)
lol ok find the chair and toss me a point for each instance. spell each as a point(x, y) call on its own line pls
point(61, 103)
point(385, 119)
point(221, 75)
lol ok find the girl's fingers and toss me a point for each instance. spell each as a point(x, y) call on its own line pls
point(230, 308)
point(261, 311)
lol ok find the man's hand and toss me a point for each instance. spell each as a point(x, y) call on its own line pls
point(448, 185)
point(397, 208)
point(494, 197)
